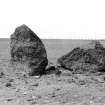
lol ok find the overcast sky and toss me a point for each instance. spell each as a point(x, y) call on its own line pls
point(54, 18)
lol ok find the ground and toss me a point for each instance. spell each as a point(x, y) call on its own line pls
point(16, 88)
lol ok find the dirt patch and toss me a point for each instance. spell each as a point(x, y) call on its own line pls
point(77, 89)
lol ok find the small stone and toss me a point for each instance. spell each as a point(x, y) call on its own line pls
point(1, 74)
point(11, 80)
point(8, 85)
point(9, 99)
point(37, 84)
point(104, 78)
point(37, 77)
point(82, 82)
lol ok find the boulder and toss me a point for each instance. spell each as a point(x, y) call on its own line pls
point(88, 58)
point(27, 48)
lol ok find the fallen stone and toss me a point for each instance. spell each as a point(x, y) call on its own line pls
point(88, 58)
point(50, 68)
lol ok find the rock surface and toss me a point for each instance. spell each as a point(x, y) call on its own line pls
point(90, 58)
point(26, 47)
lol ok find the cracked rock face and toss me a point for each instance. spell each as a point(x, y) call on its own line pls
point(26, 47)
point(90, 58)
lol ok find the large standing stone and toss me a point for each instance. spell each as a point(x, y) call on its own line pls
point(26, 47)
point(90, 58)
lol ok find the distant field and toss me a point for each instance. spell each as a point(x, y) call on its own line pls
point(55, 47)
